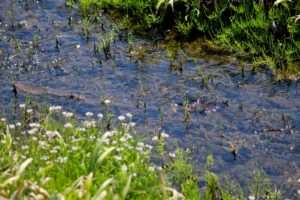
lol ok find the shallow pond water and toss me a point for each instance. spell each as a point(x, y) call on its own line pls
point(227, 107)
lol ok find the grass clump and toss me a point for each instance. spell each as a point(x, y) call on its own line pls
point(55, 156)
point(266, 32)
point(48, 154)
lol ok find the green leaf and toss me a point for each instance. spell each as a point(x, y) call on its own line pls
point(277, 2)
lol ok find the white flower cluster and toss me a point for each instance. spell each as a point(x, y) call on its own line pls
point(121, 118)
point(52, 134)
point(100, 115)
point(34, 125)
point(11, 126)
point(163, 135)
point(67, 114)
point(89, 124)
point(29, 111)
point(106, 102)
point(68, 125)
point(55, 108)
point(89, 114)
point(62, 159)
point(32, 131)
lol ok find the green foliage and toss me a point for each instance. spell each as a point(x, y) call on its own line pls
point(260, 187)
point(254, 29)
point(51, 155)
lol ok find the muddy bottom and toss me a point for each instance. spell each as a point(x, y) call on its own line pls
point(228, 105)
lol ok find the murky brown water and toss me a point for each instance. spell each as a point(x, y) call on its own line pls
point(252, 111)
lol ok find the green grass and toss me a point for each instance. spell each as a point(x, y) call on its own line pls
point(264, 32)
point(45, 153)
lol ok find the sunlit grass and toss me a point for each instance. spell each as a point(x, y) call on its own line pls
point(46, 153)
point(264, 31)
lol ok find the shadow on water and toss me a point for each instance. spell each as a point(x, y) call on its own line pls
point(208, 102)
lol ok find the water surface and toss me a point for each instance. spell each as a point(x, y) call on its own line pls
point(249, 110)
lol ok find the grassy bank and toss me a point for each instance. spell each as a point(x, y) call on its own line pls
point(265, 32)
point(45, 153)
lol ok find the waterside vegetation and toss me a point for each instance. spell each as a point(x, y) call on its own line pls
point(47, 153)
point(266, 32)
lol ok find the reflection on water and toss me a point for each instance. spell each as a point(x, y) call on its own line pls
point(208, 102)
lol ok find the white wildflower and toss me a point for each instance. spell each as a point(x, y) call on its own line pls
point(92, 137)
point(89, 124)
point(67, 114)
point(129, 115)
point(49, 163)
point(82, 129)
point(251, 197)
point(118, 157)
point(34, 125)
point(106, 101)
point(172, 155)
point(22, 105)
point(89, 114)
point(155, 138)
point(128, 146)
point(24, 147)
point(149, 146)
point(58, 108)
point(164, 135)
point(49, 134)
point(109, 134)
point(44, 158)
point(29, 111)
point(106, 141)
point(74, 148)
point(132, 124)
point(100, 115)
point(128, 136)
point(11, 126)
point(18, 124)
point(121, 118)
point(151, 168)
point(32, 131)
point(124, 168)
point(119, 149)
point(140, 149)
point(52, 108)
point(132, 165)
point(61, 159)
point(55, 108)
point(123, 139)
point(3, 119)
point(42, 144)
point(68, 125)
point(141, 144)
point(57, 147)
point(56, 133)
point(53, 151)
